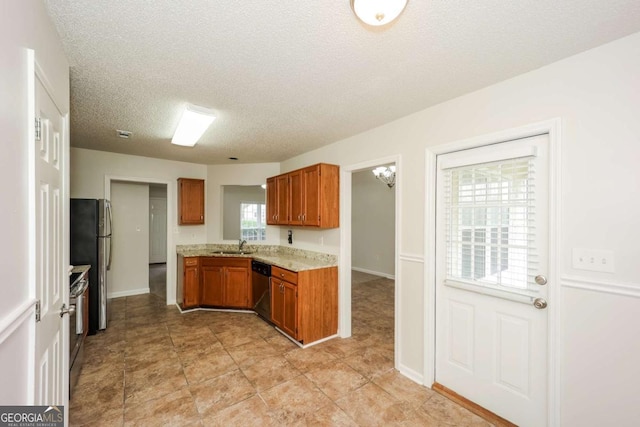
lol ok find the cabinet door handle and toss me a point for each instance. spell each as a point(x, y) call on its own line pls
point(303, 217)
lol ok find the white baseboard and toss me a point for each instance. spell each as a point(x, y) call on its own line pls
point(129, 293)
point(413, 375)
point(375, 273)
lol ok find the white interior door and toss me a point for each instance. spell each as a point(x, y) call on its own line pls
point(52, 290)
point(157, 230)
point(491, 259)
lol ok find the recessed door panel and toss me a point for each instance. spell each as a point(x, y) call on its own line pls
point(461, 339)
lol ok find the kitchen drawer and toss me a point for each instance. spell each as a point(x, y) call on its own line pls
point(222, 261)
point(281, 273)
point(191, 261)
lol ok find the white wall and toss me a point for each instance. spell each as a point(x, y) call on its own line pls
point(232, 199)
point(597, 97)
point(373, 222)
point(89, 169)
point(129, 274)
point(23, 25)
point(241, 174)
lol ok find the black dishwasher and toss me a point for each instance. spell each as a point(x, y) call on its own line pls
point(261, 291)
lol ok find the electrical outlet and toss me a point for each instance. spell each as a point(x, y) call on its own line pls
point(593, 260)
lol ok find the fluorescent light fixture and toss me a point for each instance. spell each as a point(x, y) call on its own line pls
point(195, 120)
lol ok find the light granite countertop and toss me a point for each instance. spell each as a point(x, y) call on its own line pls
point(281, 256)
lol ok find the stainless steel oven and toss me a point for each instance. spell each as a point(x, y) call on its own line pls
point(78, 325)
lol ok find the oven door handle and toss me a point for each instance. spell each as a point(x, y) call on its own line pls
point(80, 307)
point(79, 289)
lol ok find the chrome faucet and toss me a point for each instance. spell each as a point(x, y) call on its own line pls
point(241, 244)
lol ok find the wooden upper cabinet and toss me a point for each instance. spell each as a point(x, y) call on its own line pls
point(309, 196)
point(312, 195)
point(296, 188)
point(190, 201)
point(272, 201)
point(283, 197)
point(278, 200)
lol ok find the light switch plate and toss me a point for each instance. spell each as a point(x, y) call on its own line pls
point(593, 260)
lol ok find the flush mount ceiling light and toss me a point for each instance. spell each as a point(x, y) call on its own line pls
point(386, 175)
point(195, 120)
point(378, 12)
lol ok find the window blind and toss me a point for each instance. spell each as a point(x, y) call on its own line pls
point(490, 224)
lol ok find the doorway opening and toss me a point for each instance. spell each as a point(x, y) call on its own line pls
point(368, 259)
point(373, 259)
point(140, 238)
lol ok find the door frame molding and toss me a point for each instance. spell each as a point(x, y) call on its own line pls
point(553, 128)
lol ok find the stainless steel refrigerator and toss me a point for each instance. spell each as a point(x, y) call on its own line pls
point(91, 244)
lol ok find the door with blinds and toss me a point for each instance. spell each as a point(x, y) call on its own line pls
point(491, 290)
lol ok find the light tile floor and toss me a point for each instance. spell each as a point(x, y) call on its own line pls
point(154, 366)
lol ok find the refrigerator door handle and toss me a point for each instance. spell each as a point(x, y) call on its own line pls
point(109, 257)
point(109, 231)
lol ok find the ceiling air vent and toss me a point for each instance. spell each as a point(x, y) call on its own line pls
point(123, 134)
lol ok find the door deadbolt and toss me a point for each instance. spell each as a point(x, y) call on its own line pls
point(539, 303)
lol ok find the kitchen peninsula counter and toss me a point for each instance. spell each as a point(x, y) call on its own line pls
point(281, 256)
point(302, 286)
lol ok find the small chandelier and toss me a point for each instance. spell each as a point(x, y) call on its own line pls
point(378, 12)
point(386, 175)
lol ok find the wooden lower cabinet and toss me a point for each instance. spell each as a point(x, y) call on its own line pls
point(212, 292)
point(213, 282)
point(188, 289)
point(304, 304)
point(225, 282)
point(237, 286)
point(284, 306)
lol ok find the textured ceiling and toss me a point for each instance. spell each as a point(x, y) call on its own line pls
point(285, 77)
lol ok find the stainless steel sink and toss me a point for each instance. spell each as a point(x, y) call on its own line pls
point(233, 252)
